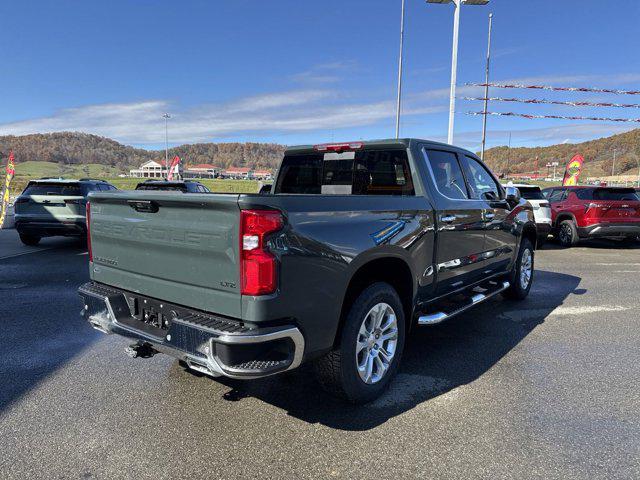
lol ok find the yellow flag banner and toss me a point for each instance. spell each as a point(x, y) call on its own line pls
point(4, 204)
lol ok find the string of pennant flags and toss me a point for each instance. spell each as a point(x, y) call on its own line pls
point(557, 117)
point(557, 89)
point(555, 102)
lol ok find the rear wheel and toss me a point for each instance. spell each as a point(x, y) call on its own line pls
point(522, 275)
point(30, 240)
point(361, 367)
point(567, 233)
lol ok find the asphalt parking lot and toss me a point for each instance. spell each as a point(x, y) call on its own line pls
point(545, 388)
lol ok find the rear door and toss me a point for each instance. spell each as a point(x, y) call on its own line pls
point(500, 238)
point(52, 201)
point(460, 224)
point(179, 248)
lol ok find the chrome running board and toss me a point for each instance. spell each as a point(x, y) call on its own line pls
point(440, 316)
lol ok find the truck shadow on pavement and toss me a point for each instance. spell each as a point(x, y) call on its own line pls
point(437, 360)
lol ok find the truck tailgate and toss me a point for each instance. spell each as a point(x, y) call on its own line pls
point(181, 248)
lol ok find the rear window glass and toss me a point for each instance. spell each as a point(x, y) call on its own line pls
point(62, 189)
point(174, 188)
point(615, 194)
point(531, 193)
point(368, 172)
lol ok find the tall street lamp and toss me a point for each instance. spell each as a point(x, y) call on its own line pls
point(166, 117)
point(400, 71)
point(454, 55)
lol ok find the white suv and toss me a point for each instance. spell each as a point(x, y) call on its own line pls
point(541, 208)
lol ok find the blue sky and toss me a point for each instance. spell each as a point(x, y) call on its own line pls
point(305, 72)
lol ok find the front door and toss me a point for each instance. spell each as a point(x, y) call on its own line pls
point(459, 223)
point(500, 228)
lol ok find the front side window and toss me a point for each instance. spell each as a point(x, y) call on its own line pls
point(447, 174)
point(481, 183)
point(556, 196)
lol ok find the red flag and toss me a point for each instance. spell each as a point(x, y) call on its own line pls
point(174, 168)
point(573, 170)
point(10, 165)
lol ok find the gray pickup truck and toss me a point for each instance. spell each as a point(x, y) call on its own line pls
point(355, 245)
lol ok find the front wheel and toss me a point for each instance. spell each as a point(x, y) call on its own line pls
point(361, 367)
point(522, 275)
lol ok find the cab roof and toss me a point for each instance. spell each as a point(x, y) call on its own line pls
point(379, 143)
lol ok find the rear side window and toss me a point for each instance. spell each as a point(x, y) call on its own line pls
point(447, 174)
point(584, 193)
point(61, 189)
point(368, 172)
point(620, 194)
point(531, 193)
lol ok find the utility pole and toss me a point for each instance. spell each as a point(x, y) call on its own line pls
point(486, 90)
point(508, 153)
point(400, 71)
point(613, 167)
point(166, 117)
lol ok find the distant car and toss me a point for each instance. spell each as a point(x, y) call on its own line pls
point(541, 209)
point(186, 186)
point(54, 207)
point(591, 211)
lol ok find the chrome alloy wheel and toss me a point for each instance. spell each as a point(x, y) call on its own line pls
point(526, 268)
point(376, 343)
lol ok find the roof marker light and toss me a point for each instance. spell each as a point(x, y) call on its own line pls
point(338, 147)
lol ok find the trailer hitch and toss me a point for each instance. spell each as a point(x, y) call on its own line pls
point(140, 350)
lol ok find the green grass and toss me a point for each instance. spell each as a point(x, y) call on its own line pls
point(219, 186)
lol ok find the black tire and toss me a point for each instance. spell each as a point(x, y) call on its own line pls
point(516, 290)
point(568, 233)
point(30, 240)
point(337, 371)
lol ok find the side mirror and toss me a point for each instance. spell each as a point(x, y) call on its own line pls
point(265, 189)
point(512, 195)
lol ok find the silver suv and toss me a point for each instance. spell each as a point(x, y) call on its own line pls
point(54, 206)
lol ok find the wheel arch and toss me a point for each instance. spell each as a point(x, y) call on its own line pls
point(393, 270)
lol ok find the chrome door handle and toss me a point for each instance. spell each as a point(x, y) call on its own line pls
point(489, 216)
point(448, 218)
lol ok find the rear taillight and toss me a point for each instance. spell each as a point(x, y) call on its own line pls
point(258, 274)
point(89, 231)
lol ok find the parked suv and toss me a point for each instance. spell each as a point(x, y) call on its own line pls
point(589, 212)
point(187, 186)
point(54, 206)
point(358, 244)
point(541, 208)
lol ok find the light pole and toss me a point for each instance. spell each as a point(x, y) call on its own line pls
point(486, 90)
point(400, 71)
point(613, 167)
point(166, 117)
point(454, 55)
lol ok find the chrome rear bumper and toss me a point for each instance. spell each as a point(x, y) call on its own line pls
point(208, 344)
